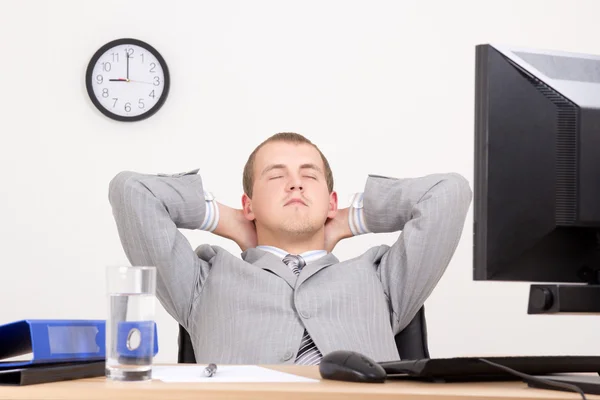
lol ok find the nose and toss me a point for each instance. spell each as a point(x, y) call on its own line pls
point(295, 184)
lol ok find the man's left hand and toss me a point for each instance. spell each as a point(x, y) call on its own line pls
point(336, 229)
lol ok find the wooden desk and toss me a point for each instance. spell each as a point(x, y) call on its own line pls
point(100, 388)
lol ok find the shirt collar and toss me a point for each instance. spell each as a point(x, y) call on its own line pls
point(308, 256)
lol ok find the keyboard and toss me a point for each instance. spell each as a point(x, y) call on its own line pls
point(474, 369)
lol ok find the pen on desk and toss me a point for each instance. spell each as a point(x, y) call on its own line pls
point(210, 370)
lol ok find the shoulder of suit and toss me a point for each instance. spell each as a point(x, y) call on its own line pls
point(207, 251)
point(372, 256)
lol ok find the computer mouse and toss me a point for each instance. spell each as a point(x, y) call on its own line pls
point(345, 365)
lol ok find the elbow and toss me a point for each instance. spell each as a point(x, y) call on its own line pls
point(462, 184)
point(119, 186)
point(459, 189)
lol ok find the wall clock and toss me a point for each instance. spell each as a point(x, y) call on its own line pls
point(127, 80)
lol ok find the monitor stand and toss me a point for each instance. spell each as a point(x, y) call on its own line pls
point(552, 299)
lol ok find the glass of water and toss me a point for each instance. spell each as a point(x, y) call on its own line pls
point(130, 326)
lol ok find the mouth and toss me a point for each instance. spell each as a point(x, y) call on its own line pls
point(295, 201)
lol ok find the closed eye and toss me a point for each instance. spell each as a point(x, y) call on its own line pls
point(311, 177)
point(275, 177)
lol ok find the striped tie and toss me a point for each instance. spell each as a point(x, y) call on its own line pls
point(308, 353)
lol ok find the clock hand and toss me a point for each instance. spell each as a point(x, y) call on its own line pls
point(127, 66)
point(118, 80)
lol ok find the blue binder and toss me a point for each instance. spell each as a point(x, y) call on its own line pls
point(53, 341)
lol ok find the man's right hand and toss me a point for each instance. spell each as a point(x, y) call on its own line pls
point(233, 225)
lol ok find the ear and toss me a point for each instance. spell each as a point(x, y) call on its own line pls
point(247, 207)
point(333, 205)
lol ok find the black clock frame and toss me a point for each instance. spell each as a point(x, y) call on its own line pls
point(89, 79)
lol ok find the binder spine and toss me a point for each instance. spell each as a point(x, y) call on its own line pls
point(67, 340)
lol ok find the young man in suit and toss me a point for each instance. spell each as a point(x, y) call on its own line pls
point(289, 299)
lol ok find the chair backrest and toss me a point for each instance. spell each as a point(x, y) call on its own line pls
point(185, 354)
point(411, 342)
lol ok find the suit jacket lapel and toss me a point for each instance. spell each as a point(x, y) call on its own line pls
point(315, 266)
point(270, 262)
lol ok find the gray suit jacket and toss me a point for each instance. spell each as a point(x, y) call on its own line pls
point(254, 310)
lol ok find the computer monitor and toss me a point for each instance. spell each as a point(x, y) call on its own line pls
point(537, 174)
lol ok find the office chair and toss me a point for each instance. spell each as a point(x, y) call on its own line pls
point(411, 341)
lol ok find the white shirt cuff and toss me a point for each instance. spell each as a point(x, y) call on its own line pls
point(211, 215)
point(356, 217)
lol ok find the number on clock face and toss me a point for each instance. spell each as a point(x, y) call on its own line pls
point(127, 80)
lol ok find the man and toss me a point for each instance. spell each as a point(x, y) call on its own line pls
point(289, 299)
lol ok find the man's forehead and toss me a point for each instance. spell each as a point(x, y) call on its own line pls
point(288, 154)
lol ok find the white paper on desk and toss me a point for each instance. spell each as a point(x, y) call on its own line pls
point(226, 373)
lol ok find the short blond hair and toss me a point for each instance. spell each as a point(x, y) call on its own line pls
point(288, 137)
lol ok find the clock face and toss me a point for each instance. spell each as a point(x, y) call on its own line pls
point(127, 80)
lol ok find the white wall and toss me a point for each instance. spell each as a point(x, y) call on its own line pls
point(381, 86)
